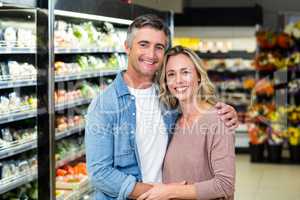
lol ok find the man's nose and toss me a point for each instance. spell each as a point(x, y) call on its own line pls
point(151, 52)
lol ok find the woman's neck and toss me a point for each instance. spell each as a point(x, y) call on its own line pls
point(192, 110)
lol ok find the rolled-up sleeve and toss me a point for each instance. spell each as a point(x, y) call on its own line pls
point(99, 143)
point(222, 158)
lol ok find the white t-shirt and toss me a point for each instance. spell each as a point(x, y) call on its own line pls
point(151, 134)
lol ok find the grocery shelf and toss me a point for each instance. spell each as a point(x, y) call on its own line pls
point(17, 50)
point(84, 75)
point(19, 147)
point(79, 194)
point(229, 54)
point(82, 193)
point(86, 50)
point(11, 183)
point(16, 116)
point(58, 78)
point(69, 131)
point(232, 72)
point(71, 104)
point(91, 17)
point(17, 83)
point(73, 156)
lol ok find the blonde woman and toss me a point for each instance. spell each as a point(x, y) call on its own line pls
point(201, 152)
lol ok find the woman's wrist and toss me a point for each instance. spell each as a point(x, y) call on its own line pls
point(182, 192)
point(173, 191)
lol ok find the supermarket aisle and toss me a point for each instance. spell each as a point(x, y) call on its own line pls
point(266, 181)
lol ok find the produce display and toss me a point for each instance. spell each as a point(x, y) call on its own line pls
point(67, 122)
point(11, 36)
point(15, 167)
point(10, 136)
point(234, 79)
point(28, 191)
point(83, 50)
point(13, 70)
point(91, 63)
point(13, 103)
point(71, 177)
point(214, 45)
point(67, 147)
point(88, 35)
point(85, 91)
point(236, 64)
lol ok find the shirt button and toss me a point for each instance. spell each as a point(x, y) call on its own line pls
point(131, 132)
point(133, 114)
point(132, 97)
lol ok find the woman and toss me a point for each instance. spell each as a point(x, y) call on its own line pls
point(201, 152)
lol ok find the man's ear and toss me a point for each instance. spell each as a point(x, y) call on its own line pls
point(126, 47)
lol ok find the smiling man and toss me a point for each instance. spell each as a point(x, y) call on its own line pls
point(127, 128)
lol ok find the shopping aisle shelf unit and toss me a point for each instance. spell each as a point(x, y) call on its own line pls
point(87, 54)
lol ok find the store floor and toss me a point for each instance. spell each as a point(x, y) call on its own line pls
point(266, 181)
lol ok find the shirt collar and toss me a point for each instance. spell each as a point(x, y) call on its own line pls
point(120, 85)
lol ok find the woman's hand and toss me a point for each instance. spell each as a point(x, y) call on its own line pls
point(228, 115)
point(158, 192)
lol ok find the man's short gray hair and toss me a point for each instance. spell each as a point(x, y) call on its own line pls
point(148, 20)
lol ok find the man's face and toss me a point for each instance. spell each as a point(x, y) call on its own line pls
point(145, 56)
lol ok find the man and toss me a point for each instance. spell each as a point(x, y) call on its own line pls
point(127, 130)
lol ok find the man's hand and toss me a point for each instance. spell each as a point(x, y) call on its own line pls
point(228, 115)
point(139, 189)
point(158, 192)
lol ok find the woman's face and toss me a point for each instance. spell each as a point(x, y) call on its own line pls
point(182, 78)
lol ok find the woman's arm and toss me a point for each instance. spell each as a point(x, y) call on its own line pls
point(221, 154)
point(220, 144)
point(170, 191)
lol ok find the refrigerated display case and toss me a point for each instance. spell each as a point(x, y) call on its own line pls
point(70, 52)
point(18, 99)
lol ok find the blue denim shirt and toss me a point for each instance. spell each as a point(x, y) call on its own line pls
point(111, 151)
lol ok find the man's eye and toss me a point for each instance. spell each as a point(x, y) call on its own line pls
point(143, 44)
point(160, 48)
point(170, 75)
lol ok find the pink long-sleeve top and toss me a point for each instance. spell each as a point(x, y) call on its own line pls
point(203, 155)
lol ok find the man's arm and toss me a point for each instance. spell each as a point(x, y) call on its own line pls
point(228, 115)
point(139, 189)
point(99, 145)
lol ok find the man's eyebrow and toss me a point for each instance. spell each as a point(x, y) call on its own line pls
point(143, 41)
point(170, 70)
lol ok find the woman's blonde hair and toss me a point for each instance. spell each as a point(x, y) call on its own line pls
point(206, 90)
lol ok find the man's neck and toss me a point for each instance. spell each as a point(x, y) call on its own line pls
point(136, 81)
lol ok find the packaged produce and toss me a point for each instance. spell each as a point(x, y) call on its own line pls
point(10, 36)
